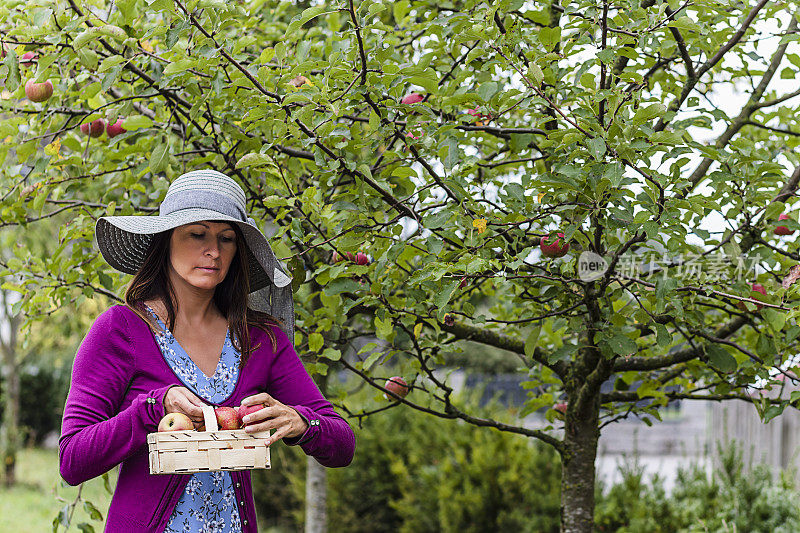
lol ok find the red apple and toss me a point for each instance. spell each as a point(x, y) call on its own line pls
point(561, 407)
point(362, 259)
point(397, 386)
point(463, 283)
point(38, 92)
point(227, 418)
point(783, 230)
point(413, 98)
point(757, 287)
point(478, 114)
point(482, 118)
point(175, 422)
point(245, 410)
point(349, 256)
point(112, 130)
point(28, 58)
point(94, 128)
point(554, 247)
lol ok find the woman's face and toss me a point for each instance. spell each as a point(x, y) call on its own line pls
point(201, 253)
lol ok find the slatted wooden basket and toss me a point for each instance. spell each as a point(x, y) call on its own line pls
point(185, 452)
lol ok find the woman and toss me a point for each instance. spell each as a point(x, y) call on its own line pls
point(195, 266)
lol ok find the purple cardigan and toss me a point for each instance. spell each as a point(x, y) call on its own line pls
point(116, 396)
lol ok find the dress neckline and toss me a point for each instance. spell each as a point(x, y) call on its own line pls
point(169, 333)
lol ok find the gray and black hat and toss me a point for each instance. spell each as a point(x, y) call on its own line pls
point(193, 197)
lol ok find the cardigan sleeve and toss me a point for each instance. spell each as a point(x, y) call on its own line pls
point(95, 435)
point(329, 439)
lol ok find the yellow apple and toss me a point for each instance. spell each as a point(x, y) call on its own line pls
point(175, 422)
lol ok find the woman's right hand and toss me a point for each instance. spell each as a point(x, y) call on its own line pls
point(182, 400)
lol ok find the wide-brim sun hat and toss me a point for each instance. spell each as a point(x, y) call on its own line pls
point(193, 197)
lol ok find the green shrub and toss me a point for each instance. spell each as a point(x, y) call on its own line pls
point(730, 500)
point(415, 472)
point(45, 387)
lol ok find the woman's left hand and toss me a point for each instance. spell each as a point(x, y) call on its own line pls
point(283, 419)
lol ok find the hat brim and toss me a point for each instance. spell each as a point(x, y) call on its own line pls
point(124, 240)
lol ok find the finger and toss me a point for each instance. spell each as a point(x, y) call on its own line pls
point(261, 397)
point(261, 426)
point(194, 411)
point(262, 414)
point(278, 434)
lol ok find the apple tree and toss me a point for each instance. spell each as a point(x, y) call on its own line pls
point(460, 147)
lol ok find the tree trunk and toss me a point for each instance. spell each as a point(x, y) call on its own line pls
point(10, 423)
point(316, 497)
point(9, 436)
point(578, 470)
point(317, 482)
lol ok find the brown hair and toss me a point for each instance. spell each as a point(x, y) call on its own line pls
point(230, 296)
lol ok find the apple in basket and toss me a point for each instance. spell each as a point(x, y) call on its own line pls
point(175, 422)
point(227, 418)
point(245, 410)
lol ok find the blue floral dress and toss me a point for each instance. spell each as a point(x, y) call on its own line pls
point(208, 504)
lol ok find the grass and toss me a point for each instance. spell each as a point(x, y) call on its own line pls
point(39, 495)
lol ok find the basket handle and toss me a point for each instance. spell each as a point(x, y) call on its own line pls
point(210, 418)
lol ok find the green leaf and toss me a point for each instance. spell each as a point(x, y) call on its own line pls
point(535, 71)
point(442, 297)
point(597, 147)
point(114, 32)
point(253, 160)
point(136, 122)
point(643, 114)
point(720, 358)
point(532, 341)
point(315, 342)
point(622, 345)
point(332, 354)
point(384, 328)
point(663, 337)
point(488, 90)
point(159, 156)
point(428, 82)
point(453, 153)
point(776, 319)
point(84, 37)
point(773, 210)
point(179, 66)
point(11, 62)
point(111, 62)
point(92, 511)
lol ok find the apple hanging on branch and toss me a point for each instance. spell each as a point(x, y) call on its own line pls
point(783, 230)
point(38, 92)
point(397, 387)
point(481, 119)
point(554, 246)
point(412, 98)
point(94, 128)
point(755, 287)
point(28, 58)
point(112, 130)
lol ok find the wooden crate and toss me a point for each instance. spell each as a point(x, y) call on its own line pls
point(185, 452)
